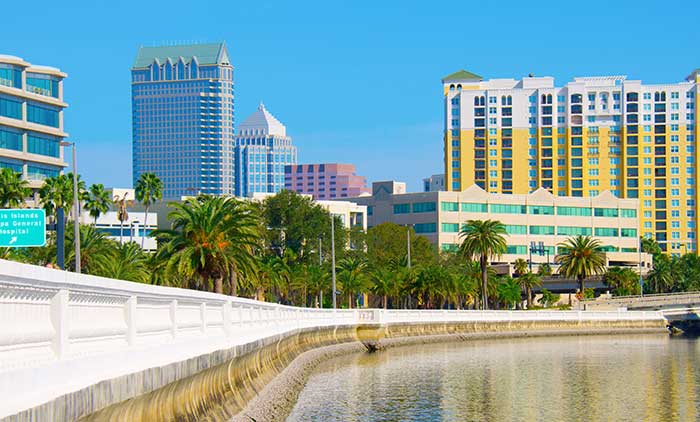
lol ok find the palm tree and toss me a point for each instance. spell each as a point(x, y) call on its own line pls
point(149, 190)
point(352, 278)
point(582, 258)
point(528, 281)
point(624, 281)
point(13, 189)
point(508, 291)
point(650, 246)
point(520, 266)
point(57, 192)
point(544, 270)
point(663, 274)
point(483, 239)
point(98, 201)
point(129, 262)
point(95, 248)
point(210, 237)
point(383, 279)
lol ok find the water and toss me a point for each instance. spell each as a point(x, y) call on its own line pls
point(650, 378)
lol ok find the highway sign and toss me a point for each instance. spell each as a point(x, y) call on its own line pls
point(21, 228)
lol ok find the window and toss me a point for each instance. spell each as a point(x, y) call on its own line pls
point(628, 213)
point(42, 115)
point(423, 207)
point(574, 211)
point(425, 227)
point(10, 108)
point(540, 210)
point(43, 145)
point(574, 231)
point(606, 232)
point(605, 212)
point(402, 208)
point(10, 139)
point(542, 230)
point(507, 209)
point(42, 84)
point(516, 250)
point(628, 232)
point(473, 207)
point(516, 229)
point(450, 227)
point(449, 206)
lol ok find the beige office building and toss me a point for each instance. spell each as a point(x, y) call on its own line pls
point(538, 218)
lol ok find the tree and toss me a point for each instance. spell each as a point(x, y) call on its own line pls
point(663, 274)
point(544, 270)
point(548, 298)
point(623, 281)
point(95, 248)
point(98, 201)
point(387, 245)
point(520, 266)
point(509, 291)
point(352, 277)
point(528, 281)
point(128, 262)
point(210, 236)
point(650, 246)
point(581, 259)
point(57, 192)
point(483, 239)
point(149, 190)
point(13, 189)
point(383, 279)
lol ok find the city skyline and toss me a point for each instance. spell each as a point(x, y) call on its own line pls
point(387, 56)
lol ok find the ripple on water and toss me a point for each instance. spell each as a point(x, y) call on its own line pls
point(650, 378)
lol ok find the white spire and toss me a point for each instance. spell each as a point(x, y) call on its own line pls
point(262, 122)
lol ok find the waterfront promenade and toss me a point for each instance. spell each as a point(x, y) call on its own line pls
point(73, 344)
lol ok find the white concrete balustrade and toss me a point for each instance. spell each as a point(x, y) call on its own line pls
point(60, 331)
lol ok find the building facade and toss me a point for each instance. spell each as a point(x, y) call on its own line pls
point(262, 150)
point(183, 118)
point(434, 183)
point(597, 133)
point(529, 218)
point(325, 181)
point(31, 119)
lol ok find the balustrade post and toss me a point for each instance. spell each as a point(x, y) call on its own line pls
point(203, 316)
point(173, 318)
point(226, 316)
point(130, 314)
point(60, 322)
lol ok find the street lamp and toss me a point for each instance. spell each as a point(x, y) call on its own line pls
point(333, 257)
point(76, 210)
point(540, 250)
point(408, 245)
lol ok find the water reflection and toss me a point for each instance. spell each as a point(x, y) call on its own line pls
point(633, 378)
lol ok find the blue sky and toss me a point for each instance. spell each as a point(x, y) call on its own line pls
point(353, 81)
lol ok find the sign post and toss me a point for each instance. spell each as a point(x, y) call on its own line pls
point(21, 228)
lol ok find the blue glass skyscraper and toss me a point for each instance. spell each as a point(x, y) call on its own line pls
point(262, 149)
point(182, 110)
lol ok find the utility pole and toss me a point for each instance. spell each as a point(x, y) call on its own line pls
point(320, 265)
point(408, 246)
point(333, 258)
point(76, 208)
point(641, 279)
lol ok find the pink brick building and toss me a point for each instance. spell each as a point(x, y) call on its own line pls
point(324, 181)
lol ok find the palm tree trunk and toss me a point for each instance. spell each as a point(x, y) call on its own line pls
point(582, 286)
point(145, 223)
point(529, 297)
point(219, 284)
point(234, 283)
point(349, 300)
point(484, 283)
point(386, 300)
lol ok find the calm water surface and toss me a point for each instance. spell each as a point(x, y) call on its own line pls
point(632, 378)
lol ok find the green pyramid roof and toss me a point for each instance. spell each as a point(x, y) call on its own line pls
point(462, 75)
point(206, 54)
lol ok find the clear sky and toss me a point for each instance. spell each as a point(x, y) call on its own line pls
point(353, 81)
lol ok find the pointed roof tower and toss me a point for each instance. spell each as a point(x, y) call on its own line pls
point(262, 122)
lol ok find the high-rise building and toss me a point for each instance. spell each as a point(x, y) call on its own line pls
point(594, 134)
point(182, 106)
point(325, 181)
point(436, 182)
point(31, 119)
point(262, 150)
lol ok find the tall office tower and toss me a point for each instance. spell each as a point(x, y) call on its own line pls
point(596, 133)
point(31, 119)
point(262, 149)
point(182, 107)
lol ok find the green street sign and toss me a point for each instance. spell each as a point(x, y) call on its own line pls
point(22, 228)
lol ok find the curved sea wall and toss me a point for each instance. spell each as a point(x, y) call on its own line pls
point(77, 347)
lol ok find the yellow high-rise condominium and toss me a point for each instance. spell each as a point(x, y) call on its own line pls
point(594, 134)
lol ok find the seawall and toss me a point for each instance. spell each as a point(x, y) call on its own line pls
point(270, 376)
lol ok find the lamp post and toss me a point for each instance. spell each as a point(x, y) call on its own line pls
point(641, 279)
point(76, 210)
point(333, 258)
point(320, 264)
point(539, 250)
point(408, 246)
